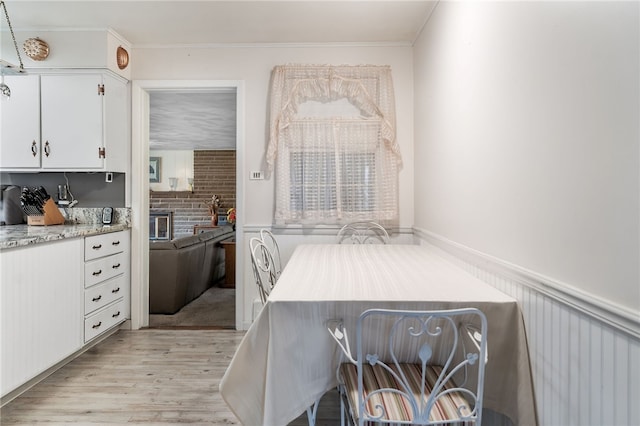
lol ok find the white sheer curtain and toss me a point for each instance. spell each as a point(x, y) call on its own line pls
point(333, 144)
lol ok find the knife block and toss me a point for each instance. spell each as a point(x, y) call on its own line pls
point(51, 216)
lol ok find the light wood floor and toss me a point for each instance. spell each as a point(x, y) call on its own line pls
point(147, 376)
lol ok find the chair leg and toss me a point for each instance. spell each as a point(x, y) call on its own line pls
point(342, 407)
point(312, 412)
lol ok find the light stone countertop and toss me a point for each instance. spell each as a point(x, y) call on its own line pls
point(78, 223)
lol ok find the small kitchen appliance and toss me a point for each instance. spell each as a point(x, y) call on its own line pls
point(10, 210)
point(63, 195)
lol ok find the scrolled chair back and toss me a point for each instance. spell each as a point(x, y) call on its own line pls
point(414, 367)
point(263, 266)
point(363, 233)
point(272, 244)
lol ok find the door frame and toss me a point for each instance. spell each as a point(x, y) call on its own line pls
point(138, 188)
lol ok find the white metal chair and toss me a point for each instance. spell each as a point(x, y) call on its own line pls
point(266, 272)
point(272, 244)
point(427, 367)
point(263, 267)
point(363, 233)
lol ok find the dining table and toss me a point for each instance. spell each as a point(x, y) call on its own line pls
point(287, 359)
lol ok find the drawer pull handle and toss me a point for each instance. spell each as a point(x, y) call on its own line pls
point(115, 243)
point(115, 290)
point(117, 314)
point(97, 325)
point(95, 299)
point(98, 247)
point(34, 148)
point(47, 149)
point(116, 266)
point(97, 273)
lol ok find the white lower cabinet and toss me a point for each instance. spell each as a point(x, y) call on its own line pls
point(101, 321)
point(55, 298)
point(99, 270)
point(41, 309)
point(106, 282)
point(100, 295)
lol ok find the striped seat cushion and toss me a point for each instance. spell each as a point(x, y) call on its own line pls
point(396, 407)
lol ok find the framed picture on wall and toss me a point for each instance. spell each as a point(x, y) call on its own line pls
point(154, 169)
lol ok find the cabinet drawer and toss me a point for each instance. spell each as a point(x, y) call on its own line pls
point(102, 294)
point(102, 269)
point(104, 245)
point(103, 320)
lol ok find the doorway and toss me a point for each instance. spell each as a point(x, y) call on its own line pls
point(140, 185)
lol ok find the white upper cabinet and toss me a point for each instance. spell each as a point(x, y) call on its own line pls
point(71, 121)
point(20, 123)
point(77, 122)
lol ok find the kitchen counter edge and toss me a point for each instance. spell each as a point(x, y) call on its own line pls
point(25, 235)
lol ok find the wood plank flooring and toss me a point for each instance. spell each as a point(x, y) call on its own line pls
point(149, 376)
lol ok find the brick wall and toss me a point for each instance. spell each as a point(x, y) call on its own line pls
point(214, 173)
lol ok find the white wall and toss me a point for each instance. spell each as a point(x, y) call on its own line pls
point(174, 163)
point(527, 139)
point(252, 65)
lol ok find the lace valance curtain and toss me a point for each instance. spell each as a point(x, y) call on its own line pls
point(339, 165)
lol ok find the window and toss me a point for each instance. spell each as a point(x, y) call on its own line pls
point(334, 178)
point(337, 159)
point(314, 182)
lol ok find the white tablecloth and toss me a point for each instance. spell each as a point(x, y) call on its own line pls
point(287, 358)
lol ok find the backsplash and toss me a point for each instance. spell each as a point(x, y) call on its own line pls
point(121, 215)
point(89, 189)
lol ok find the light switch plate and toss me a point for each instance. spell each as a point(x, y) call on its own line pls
point(257, 175)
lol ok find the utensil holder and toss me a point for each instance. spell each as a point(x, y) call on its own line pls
point(51, 216)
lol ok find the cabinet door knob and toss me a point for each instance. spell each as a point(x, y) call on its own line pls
point(47, 148)
point(34, 148)
point(97, 273)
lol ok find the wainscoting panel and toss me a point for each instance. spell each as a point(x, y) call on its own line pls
point(41, 308)
point(586, 370)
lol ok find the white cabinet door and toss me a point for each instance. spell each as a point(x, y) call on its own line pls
point(20, 123)
point(117, 131)
point(75, 122)
point(41, 308)
point(72, 121)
